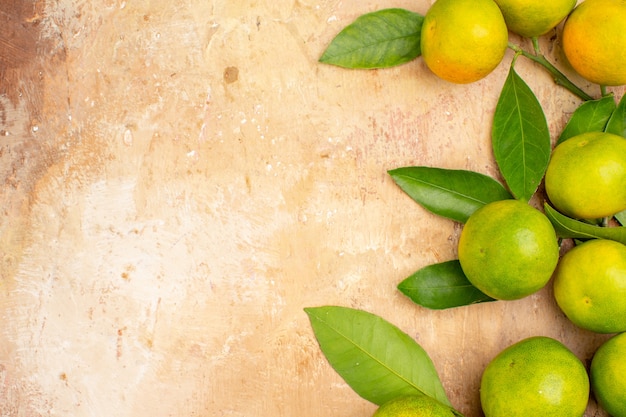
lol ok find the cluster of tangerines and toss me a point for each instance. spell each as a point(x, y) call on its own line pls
point(508, 249)
point(462, 41)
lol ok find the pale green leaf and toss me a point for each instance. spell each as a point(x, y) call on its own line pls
point(374, 357)
point(380, 39)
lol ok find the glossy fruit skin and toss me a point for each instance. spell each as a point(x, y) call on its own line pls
point(538, 376)
point(413, 406)
point(508, 249)
point(586, 175)
point(462, 41)
point(590, 285)
point(608, 375)
point(594, 41)
point(533, 18)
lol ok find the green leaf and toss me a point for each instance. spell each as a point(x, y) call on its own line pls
point(380, 39)
point(621, 217)
point(440, 286)
point(454, 194)
point(617, 122)
point(374, 357)
point(520, 137)
point(591, 116)
point(567, 227)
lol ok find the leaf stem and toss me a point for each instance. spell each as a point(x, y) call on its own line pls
point(558, 76)
point(603, 90)
point(535, 41)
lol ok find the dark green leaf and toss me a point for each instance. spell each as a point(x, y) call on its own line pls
point(440, 286)
point(567, 227)
point(591, 116)
point(520, 136)
point(374, 357)
point(454, 194)
point(617, 122)
point(381, 39)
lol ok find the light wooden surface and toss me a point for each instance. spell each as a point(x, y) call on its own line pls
point(181, 178)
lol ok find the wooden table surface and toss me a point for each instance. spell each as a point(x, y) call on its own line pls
point(181, 178)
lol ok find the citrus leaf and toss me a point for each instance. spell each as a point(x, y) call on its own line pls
point(380, 39)
point(617, 122)
point(520, 137)
point(440, 286)
point(621, 217)
point(567, 227)
point(375, 358)
point(590, 116)
point(454, 194)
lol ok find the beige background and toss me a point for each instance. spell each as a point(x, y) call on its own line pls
point(181, 178)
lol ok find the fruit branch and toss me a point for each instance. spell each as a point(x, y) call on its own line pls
point(558, 76)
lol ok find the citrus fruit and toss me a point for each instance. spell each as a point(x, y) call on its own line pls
point(608, 375)
point(594, 41)
point(590, 285)
point(532, 18)
point(508, 249)
point(463, 41)
point(537, 376)
point(413, 406)
point(586, 175)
